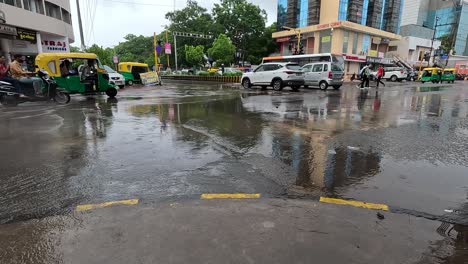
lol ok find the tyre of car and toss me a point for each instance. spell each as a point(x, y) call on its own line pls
point(336, 87)
point(295, 88)
point(394, 78)
point(246, 83)
point(323, 85)
point(277, 84)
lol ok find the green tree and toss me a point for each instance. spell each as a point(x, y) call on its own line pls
point(74, 49)
point(194, 55)
point(223, 50)
point(262, 46)
point(136, 49)
point(242, 21)
point(104, 54)
point(191, 19)
point(446, 43)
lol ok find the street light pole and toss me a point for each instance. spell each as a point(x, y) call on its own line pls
point(432, 42)
point(80, 25)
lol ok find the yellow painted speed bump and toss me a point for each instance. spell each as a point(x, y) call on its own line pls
point(230, 196)
point(86, 207)
point(373, 206)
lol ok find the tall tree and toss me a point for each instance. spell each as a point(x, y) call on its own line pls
point(191, 19)
point(223, 50)
point(104, 54)
point(194, 55)
point(136, 49)
point(262, 46)
point(242, 21)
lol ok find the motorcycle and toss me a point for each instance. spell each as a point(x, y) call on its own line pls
point(43, 88)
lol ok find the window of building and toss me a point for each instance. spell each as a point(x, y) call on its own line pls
point(52, 10)
point(345, 41)
point(35, 6)
point(343, 10)
point(303, 13)
point(355, 43)
point(392, 48)
point(66, 17)
point(282, 11)
point(16, 3)
point(325, 41)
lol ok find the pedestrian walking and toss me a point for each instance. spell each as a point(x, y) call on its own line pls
point(380, 75)
point(365, 73)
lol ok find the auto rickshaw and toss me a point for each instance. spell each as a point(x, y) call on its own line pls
point(77, 73)
point(431, 75)
point(448, 75)
point(131, 71)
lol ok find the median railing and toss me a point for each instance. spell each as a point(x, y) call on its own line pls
point(220, 79)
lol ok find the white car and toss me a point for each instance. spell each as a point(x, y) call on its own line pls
point(115, 78)
point(278, 75)
point(229, 70)
point(393, 74)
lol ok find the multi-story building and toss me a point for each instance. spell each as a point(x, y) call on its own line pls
point(29, 27)
point(449, 19)
point(359, 29)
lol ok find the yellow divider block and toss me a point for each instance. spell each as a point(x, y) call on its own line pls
point(230, 196)
point(373, 206)
point(86, 207)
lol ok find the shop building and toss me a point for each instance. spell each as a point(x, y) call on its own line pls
point(360, 30)
point(29, 27)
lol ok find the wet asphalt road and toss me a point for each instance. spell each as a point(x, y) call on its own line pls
point(404, 145)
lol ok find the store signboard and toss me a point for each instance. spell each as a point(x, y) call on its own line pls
point(7, 30)
point(54, 44)
point(27, 35)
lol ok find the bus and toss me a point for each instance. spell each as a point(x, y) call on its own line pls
point(307, 58)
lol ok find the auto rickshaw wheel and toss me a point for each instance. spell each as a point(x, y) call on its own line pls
point(62, 97)
point(111, 92)
point(130, 82)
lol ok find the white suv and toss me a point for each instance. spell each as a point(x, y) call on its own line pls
point(393, 74)
point(278, 75)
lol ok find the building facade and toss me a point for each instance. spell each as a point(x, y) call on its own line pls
point(30, 27)
point(361, 30)
point(448, 18)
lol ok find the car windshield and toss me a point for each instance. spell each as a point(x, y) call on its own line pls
point(294, 67)
point(108, 69)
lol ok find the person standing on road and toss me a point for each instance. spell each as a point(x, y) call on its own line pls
point(380, 75)
point(365, 72)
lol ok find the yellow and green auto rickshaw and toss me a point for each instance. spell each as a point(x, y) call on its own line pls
point(131, 71)
point(431, 75)
point(80, 73)
point(448, 75)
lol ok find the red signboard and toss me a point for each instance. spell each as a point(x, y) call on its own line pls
point(283, 39)
point(323, 26)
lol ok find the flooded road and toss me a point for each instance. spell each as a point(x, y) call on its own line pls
point(404, 145)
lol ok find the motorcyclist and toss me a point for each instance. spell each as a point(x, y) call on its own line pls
point(18, 73)
point(4, 70)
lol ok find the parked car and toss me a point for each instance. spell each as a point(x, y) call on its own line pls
point(392, 74)
point(278, 75)
point(115, 78)
point(323, 74)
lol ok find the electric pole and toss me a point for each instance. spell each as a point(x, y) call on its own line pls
point(80, 25)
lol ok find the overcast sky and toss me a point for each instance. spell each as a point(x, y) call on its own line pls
point(114, 19)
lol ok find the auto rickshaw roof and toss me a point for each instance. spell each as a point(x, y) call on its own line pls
point(134, 64)
point(431, 69)
point(64, 55)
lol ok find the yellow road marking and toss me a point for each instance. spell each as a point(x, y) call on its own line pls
point(373, 206)
point(230, 195)
point(85, 207)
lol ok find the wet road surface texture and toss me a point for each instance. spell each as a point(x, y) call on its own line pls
point(404, 145)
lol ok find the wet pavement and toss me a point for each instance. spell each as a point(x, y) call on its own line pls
point(405, 145)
